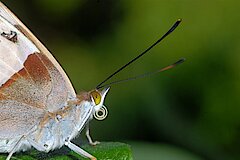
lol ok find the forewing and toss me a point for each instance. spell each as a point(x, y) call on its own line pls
point(31, 81)
point(57, 86)
point(5, 12)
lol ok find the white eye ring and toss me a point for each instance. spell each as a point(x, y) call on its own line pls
point(101, 114)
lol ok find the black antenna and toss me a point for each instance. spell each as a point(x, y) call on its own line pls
point(144, 52)
point(180, 61)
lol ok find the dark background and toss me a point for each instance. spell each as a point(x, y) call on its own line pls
point(190, 112)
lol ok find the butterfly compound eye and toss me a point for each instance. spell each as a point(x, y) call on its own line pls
point(96, 97)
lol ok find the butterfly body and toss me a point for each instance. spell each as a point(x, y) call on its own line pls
point(57, 128)
point(43, 130)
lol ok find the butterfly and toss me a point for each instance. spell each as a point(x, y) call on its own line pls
point(39, 107)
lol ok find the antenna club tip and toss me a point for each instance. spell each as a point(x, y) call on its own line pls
point(183, 59)
point(179, 20)
point(180, 61)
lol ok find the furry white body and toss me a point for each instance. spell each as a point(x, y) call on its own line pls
point(54, 133)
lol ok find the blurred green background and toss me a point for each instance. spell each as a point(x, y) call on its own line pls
point(190, 112)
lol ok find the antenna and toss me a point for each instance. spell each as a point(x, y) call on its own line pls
point(100, 85)
point(180, 61)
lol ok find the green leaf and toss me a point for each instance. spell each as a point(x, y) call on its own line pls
point(102, 151)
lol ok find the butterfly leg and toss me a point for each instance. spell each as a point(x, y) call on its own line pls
point(89, 136)
point(36, 145)
point(79, 150)
point(14, 148)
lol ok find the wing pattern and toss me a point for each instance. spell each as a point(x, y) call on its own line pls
point(31, 80)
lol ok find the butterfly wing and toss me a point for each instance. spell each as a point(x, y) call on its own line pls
point(12, 19)
point(30, 78)
point(56, 72)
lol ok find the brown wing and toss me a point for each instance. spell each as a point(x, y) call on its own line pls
point(38, 71)
point(31, 80)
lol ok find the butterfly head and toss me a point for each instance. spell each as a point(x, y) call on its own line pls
point(97, 98)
